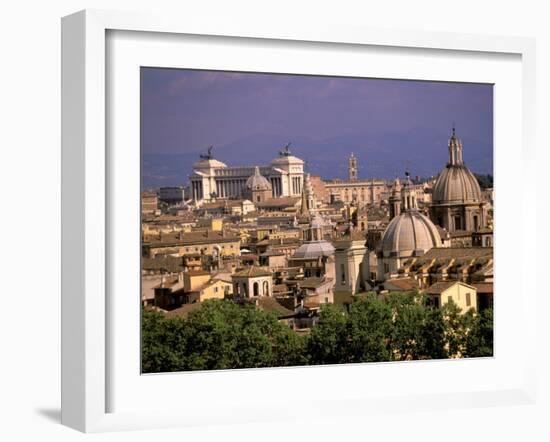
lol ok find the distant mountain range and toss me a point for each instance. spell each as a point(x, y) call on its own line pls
point(380, 155)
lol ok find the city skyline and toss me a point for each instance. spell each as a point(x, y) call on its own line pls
point(390, 125)
point(262, 259)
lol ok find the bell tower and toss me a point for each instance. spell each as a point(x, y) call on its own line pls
point(455, 150)
point(352, 167)
point(395, 199)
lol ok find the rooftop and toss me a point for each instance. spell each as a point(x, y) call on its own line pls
point(269, 304)
point(183, 311)
point(440, 287)
point(252, 272)
point(458, 252)
point(204, 237)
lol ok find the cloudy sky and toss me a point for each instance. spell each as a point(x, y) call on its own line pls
point(390, 125)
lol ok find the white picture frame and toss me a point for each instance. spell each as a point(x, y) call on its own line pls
point(86, 316)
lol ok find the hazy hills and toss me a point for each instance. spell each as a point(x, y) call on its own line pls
point(382, 155)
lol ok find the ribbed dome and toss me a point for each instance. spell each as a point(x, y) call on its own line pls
point(257, 181)
point(408, 233)
point(456, 184)
point(314, 249)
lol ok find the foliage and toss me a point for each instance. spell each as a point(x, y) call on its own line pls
point(223, 335)
point(479, 340)
point(220, 335)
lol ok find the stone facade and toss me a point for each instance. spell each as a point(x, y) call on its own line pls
point(213, 179)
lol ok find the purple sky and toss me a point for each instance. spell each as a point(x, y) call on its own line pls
point(390, 125)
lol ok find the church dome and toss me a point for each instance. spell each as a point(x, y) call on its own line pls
point(314, 249)
point(257, 181)
point(315, 245)
point(456, 184)
point(411, 233)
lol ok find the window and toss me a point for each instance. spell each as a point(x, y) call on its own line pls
point(458, 223)
point(343, 274)
point(468, 300)
point(449, 299)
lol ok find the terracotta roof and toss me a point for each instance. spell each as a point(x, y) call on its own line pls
point(458, 252)
point(168, 264)
point(251, 272)
point(167, 284)
point(484, 287)
point(198, 272)
point(205, 237)
point(404, 284)
point(280, 202)
point(314, 282)
point(183, 311)
point(440, 287)
point(222, 276)
point(221, 204)
point(270, 304)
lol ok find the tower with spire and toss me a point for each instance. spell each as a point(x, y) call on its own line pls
point(408, 195)
point(395, 199)
point(457, 202)
point(455, 150)
point(352, 167)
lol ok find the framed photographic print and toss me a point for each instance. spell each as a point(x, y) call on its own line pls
point(247, 209)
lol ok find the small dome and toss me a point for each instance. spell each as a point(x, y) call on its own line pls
point(314, 249)
point(257, 181)
point(408, 234)
point(456, 184)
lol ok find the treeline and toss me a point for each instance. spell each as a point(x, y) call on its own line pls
point(224, 335)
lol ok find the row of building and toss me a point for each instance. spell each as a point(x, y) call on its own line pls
point(290, 242)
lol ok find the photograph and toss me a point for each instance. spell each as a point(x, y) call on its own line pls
point(302, 220)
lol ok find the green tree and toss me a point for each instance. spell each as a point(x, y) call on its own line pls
point(163, 346)
point(408, 326)
point(479, 339)
point(433, 335)
point(328, 340)
point(357, 335)
point(220, 335)
point(369, 326)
